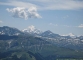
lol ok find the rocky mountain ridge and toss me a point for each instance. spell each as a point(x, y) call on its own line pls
point(56, 39)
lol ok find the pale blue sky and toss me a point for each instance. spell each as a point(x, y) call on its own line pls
point(59, 16)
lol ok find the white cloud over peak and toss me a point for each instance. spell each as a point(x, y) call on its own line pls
point(80, 26)
point(21, 12)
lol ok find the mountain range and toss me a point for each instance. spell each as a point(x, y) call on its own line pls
point(67, 41)
point(33, 44)
point(31, 30)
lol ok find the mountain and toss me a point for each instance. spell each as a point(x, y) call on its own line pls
point(32, 30)
point(49, 34)
point(68, 41)
point(17, 55)
point(49, 46)
point(5, 30)
point(7, 37)
point(34, 48)
point(71, 35)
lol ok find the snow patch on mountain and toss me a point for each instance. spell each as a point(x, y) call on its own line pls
point(71, 34)
point(5, 30)
point(32, 29)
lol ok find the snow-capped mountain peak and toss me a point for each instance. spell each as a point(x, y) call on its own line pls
point(71, 34)
point(32, 29)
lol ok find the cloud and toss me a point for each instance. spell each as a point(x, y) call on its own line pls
point(1, 21)
point(53, 24)
point(65, 17)
point(18, 4)
point(66, 26)
point(61, 4)
point(80, 26)
point(47, 4)
point(21, 12)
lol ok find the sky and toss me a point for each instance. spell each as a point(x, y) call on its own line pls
point(59, 16)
